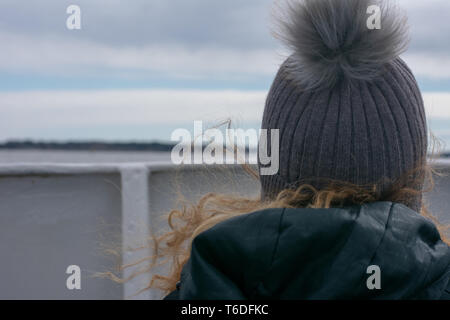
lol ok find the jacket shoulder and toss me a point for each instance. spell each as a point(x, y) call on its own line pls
point(241, 238)
point(228, 260)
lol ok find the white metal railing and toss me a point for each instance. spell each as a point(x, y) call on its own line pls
point(143, 195)
point(137, 209)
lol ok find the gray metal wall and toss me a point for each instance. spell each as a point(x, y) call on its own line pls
point(53, 216)
point(50, 222)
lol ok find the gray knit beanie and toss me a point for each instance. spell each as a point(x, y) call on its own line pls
point(347, 107)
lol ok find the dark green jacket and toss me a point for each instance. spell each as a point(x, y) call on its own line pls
point(319, 254)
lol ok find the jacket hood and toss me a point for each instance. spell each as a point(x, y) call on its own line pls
point(319, 254)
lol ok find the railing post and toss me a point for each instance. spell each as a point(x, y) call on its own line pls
point(135, 228)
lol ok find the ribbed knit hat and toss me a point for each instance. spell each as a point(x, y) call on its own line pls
point(347, 107)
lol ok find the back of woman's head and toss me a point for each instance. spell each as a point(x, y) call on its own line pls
point(348, 109)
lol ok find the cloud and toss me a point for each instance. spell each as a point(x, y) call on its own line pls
point(43, 110)
point(66, 56)
point(434, 66)
point(194, 23)
point(429, 25)
point(231, 23)
point(437, 105)
point(180, 39)
point(34, 112)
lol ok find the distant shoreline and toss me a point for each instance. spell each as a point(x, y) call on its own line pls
point(101, 146)
point(87, 146)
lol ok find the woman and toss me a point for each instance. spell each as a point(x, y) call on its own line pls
point(343, 217)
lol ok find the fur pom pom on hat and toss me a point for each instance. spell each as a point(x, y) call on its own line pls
point(331, 39)
point(347, 107)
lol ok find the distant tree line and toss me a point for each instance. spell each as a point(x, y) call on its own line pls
point(88, 146)
point(100, 146)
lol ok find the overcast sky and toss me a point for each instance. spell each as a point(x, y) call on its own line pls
point(137, 69)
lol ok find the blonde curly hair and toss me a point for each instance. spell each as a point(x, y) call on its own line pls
point(172, 248)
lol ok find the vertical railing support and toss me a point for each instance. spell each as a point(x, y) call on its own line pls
point(135, 228)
